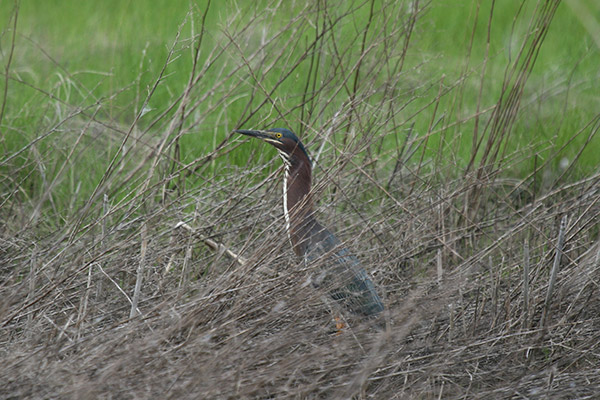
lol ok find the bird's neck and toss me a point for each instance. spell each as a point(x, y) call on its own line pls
point(297, 202)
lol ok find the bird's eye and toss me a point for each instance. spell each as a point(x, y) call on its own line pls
point(278, 135)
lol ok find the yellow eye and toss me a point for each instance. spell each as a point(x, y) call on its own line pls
point(278, 135)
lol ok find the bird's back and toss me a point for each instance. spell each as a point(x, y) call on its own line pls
point(340, 272)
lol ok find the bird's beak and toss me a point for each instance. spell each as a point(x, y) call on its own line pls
point(264, 135)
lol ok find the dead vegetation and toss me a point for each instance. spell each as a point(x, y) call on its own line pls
point(491, 283)
point(212, 326)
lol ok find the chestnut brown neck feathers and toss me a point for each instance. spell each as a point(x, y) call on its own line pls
point(297, 200)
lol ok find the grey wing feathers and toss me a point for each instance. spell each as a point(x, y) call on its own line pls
point(343, 277)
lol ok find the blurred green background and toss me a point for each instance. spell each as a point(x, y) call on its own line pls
point(73, 60)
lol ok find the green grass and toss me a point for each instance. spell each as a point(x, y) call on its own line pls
point(74, 59)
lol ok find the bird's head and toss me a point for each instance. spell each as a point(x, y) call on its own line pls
point(285, 141)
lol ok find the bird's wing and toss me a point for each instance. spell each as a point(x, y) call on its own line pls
point(341, 275)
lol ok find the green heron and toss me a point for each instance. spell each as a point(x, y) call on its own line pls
point(342, 275)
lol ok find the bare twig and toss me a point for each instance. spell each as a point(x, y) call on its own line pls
point(140, 271)
point(525, 284)
point(554, 272)
point(212, 244)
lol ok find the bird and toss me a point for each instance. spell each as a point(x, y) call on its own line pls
point(339, 272)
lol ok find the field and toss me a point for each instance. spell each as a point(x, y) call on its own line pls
point(143, 251)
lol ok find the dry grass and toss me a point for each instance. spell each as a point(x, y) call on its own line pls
point(213, 326)
point(488, 295)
